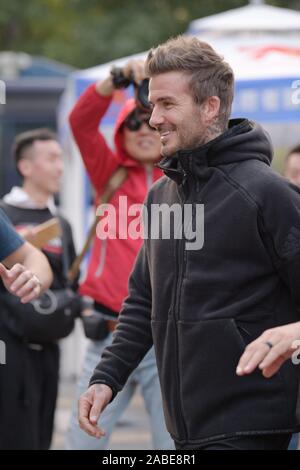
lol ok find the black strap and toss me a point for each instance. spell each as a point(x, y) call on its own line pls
point(65, 251)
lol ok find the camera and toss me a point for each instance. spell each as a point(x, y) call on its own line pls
point(141, 89)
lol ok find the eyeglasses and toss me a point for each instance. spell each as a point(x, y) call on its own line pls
point(134, 122)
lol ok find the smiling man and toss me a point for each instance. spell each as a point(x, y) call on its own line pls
point(202, 307)
point(177, 115)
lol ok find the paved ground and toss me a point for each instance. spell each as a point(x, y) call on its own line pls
point(131, 433)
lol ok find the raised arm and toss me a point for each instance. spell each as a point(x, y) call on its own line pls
point(99, 160)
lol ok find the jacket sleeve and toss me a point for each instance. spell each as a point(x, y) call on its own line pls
point(280, 224)
point(133, 335)
point(84, 119)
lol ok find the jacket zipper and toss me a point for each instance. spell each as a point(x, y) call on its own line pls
point(179, 264)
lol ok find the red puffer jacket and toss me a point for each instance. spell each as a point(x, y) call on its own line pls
point(112, 259)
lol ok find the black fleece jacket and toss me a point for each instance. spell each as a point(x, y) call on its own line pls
point(201, 307)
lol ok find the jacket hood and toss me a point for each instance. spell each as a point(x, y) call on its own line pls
point(126, 159)
point(244, 140)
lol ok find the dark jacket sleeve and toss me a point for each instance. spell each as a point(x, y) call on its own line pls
point(280, 225)
point(133, 335)
point(69, 247)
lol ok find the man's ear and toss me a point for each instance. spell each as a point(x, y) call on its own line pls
point(211, 108)
point(24, 167)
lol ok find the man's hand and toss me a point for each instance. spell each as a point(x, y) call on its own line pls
point(90, 406)
point(133, 68)
point(270, 350)
point(21, 282)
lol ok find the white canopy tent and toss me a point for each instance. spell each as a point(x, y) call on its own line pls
point(252, 18)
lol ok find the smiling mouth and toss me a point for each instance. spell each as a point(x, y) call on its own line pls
point(164, 135)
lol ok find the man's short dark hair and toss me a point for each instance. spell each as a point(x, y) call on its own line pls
point(294, 150)
point(209, 74)
point(26, 139)
point(291, 152)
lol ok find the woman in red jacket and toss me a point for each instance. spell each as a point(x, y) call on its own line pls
point(137, 147)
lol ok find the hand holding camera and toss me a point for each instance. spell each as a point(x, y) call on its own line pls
point(132, 73)
point(134, 70)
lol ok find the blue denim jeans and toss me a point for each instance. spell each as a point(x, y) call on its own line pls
point(144, 375)
point(294, 442)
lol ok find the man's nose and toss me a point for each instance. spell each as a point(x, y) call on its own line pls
point(60, 167)
point(156, 118)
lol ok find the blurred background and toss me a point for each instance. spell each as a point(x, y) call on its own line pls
point(50, 51)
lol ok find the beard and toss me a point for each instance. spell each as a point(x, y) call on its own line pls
point(184, 141)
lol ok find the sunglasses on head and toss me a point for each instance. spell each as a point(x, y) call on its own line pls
point(135, 121)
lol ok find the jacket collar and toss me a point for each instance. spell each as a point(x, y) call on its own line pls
point(18, 197)
point(240, 141)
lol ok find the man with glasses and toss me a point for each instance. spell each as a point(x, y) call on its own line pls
point(137, 148)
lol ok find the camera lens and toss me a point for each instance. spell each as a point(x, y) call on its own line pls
point(142, 93)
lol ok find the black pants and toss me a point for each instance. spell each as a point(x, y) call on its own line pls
point(28, 391)
point(266, 442)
